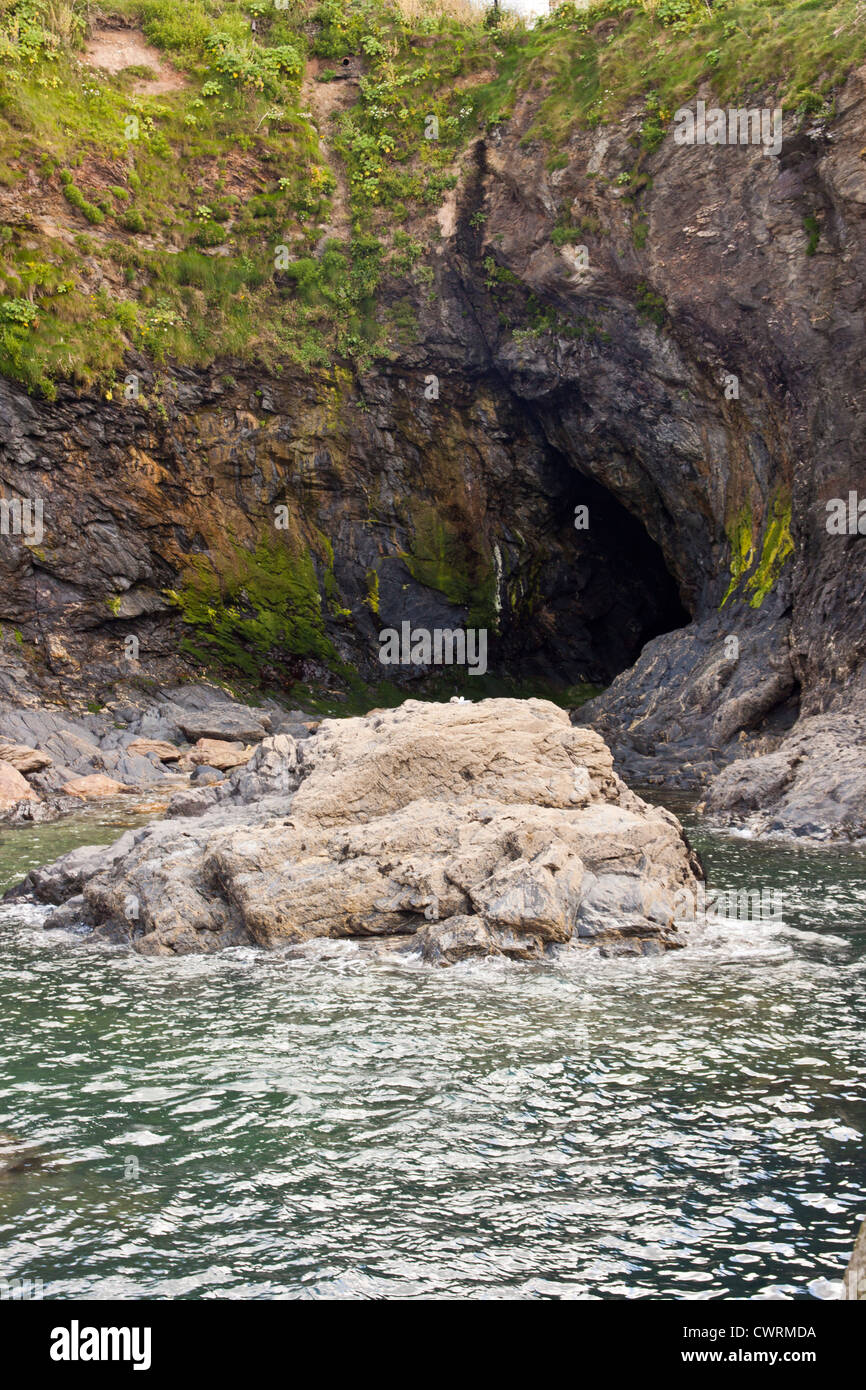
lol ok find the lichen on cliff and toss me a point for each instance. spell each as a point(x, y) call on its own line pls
point(776, 548)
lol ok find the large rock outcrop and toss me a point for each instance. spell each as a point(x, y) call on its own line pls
point(558, 384)
point(460, 829)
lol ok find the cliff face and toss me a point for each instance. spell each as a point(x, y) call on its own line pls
point(672, 338)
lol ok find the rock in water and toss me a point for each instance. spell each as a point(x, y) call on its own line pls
point(813, 785)
point(495, 828)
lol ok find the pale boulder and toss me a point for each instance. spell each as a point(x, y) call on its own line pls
point(495, 829)
point(215, 752)
point(14, 787)
point(22, 757)
point(94, 787)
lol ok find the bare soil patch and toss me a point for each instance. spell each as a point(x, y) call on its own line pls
point(116, 49)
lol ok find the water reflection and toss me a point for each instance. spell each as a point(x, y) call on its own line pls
point(331, 1125)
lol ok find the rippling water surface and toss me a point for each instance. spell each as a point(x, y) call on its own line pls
point(247, 1126)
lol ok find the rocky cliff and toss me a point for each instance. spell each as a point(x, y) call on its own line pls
point(667, 336)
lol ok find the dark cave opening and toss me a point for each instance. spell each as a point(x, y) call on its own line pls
point(605, 591)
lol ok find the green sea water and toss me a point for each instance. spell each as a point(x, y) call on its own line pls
point(261, 1126)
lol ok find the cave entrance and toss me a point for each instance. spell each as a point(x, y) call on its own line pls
point(603, 594)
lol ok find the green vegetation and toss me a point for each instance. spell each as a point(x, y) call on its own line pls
point(591, 64)
point(651, 306)
point(776, 549)
point(223, 226)
point(256, 609)
point(372, 595)
point(76, 198)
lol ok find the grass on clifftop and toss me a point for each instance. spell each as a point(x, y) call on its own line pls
point(210, 221)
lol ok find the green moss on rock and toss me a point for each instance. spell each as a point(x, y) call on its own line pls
point(250, 608)
point(442, 558)
point(778, 546)
point(739, 532)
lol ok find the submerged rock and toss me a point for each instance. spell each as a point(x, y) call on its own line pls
point(495, 828)
point(17, 1157)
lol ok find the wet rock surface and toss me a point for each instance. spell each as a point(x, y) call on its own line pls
point(855, 1275)
point(812, 785)
point(495, 828)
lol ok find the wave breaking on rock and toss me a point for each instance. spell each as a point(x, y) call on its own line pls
point(459, 830)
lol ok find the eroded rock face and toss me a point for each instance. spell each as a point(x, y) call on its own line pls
point(495, 828)
point(813, 785)
point(609, 393)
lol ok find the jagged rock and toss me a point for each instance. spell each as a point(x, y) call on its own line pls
point(75, 747)
point(204, 776)
point(14, 788)
point(22, 757)
point(213, 752)
point(494, 828)
point(155, 747)
point(41, 812)
point(271, 771)
point(96, 786)
point(65, 877)
point(228, 723)
point(70, 914)
point(461, 937)
point(813, 785)
point(193, 801)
